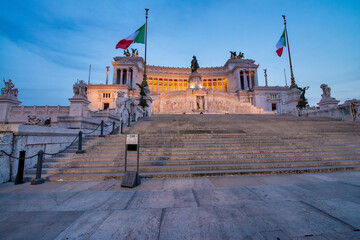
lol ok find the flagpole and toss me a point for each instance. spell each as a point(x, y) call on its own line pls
point(293, 84)
point(89, 74)
point(146, 14)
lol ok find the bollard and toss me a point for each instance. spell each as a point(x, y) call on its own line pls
point(38, 179)
point(102, 129)
point(121, 127)
point(20, 173)
point(134, 118)
point(80, 150)
point(129, 120)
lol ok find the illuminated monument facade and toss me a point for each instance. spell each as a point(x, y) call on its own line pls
point(233, 88)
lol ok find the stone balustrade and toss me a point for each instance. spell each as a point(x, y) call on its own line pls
point(19, 114)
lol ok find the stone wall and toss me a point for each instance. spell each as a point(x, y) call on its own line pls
point(15, 138)
point(340, 112)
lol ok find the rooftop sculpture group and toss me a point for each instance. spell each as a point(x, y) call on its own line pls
point(9, 89)
point(135, 53)
point(233, 55)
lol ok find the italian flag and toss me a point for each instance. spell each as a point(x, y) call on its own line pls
point(281, 44)
point(137, 37)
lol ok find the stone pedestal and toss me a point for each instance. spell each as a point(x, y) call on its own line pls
point(79, 107)
point(195, 81)
point(148, 101)
point(326, 103)
point(293, 97)
point(6, 102)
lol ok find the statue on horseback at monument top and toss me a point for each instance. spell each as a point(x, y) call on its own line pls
point(194, 64)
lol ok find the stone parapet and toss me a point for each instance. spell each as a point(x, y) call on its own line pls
point(16, 137)
point(19, 114)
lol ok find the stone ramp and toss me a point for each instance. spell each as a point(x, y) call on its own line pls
point(216, 145)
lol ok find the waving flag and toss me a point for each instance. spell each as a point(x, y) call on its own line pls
point(281, 44)
point(137, 37)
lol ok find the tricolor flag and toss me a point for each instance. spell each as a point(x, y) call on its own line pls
point(281, 44)
point(137, 37)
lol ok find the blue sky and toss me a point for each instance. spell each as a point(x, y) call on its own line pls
point(45, 46)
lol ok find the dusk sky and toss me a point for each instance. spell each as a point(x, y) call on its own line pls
point(45, 46)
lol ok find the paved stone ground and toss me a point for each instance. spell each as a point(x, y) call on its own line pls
point(304, 206)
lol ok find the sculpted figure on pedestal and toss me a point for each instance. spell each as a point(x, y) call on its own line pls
point(120, 101)
point(80, 89)
point(326, 91)
point(9, 88)
point(303, 101)
point(143, 92)
point(198, 102)
point(194, 65)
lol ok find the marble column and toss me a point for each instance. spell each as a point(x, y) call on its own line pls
point(256, 78)
point(152, 86)
point(222, 85)
point(121, 75)
point(158, 85)
point(128, 76)
point(250, 83)
point(246, 86)
point(173, 85)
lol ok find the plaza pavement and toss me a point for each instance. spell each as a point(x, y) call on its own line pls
point(303, 206)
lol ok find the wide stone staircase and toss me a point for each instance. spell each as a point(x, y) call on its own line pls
point(215, 145)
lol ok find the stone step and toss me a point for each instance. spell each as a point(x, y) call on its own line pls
point(167, 160)
point(227, 137)
point(210, 155)
point(215, 141)
point(121, 162)
point(182, 174)
point(225, 149)
point(241, 136)
point(207, 167)
point(229, 141)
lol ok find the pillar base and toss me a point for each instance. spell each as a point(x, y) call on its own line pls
point(37, 181)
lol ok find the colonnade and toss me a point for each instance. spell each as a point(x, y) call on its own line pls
point(219, 85)
point(246, 79)
point(158, 85)
point(124, 76)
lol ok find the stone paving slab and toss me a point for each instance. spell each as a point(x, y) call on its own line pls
point(305, 206)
